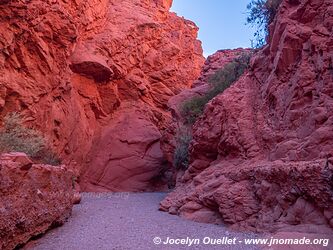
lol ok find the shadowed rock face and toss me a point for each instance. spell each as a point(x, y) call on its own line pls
point(261, 155)
point(91, 66)
point(127, 155)
point(34, 197)
point(72, 68)
point(4, 1)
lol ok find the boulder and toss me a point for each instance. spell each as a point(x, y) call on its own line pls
point(33, 199)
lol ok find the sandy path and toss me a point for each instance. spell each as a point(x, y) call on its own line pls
point(128, 221)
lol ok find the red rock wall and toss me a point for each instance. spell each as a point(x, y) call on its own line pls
point(261, 155)
point(34, 198)
point(74, 69)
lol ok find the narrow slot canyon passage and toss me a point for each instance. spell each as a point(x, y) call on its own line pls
point(121, 129)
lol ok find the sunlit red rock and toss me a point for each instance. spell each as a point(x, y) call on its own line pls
point(69, 67)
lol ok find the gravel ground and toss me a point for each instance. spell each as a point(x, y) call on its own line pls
point(129, 221)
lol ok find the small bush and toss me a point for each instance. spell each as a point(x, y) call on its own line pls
point(221, 80)
point(181, 154)
point(47, 156)
point(193, 108)
point(15, 137)
point(261, 14)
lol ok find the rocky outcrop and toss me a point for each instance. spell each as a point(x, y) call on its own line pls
point(72, 68)
point(261, 154)
point(200, 87)
point(34, 198)
point(217, 61)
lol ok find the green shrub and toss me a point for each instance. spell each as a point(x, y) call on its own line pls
point(181, 154)
point(261, 14)
point(193, 108)
point(224, 77)
point(220, 80)
point(15, 137)
point(47, 156)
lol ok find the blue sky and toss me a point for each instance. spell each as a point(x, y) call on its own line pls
point(221, 22)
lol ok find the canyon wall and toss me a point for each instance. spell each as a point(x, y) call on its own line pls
point(95, 78)
point(261, 157)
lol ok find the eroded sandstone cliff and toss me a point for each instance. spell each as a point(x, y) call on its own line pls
point(95, 77)
point(261, 154)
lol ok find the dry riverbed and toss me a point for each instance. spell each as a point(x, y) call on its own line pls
point(132, 221)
